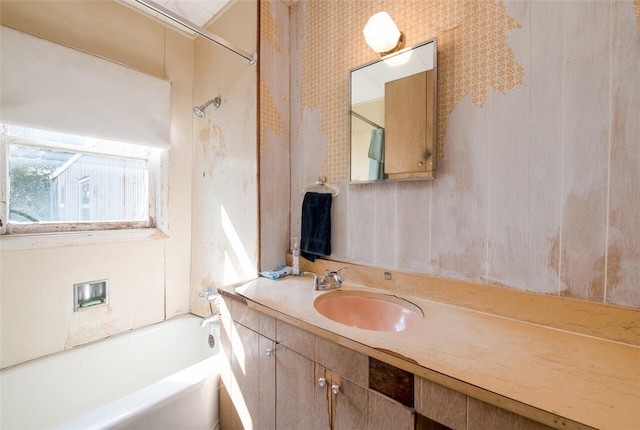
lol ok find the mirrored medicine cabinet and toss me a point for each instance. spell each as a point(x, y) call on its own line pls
point(393, 116)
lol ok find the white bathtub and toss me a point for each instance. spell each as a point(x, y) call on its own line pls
point(164, 376)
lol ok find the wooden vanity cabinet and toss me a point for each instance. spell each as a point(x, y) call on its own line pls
point(296, 402)
point(274, 373)
point(335, 380)
point(348, 402)
point(305, 397)
point(274, 382)
point(310, 395)
point(441, 408)
point(248, 395)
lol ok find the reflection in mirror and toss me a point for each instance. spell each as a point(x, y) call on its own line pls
point(393, 116)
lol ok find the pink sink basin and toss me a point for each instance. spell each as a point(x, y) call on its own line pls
point(370, 311)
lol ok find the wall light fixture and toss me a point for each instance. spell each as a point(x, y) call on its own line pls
point(382, 34)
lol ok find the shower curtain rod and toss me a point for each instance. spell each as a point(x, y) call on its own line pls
point(368, 121)
point(196, 29)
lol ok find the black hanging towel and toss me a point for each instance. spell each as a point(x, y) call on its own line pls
point(316, 225)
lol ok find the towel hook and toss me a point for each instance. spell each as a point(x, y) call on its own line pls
point(321, 187)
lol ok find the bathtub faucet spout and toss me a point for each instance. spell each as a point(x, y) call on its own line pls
point(211, 295)
point(213, 319)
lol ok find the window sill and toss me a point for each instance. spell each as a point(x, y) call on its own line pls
point(22, 242)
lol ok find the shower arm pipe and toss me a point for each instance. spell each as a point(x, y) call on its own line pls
point(197, 29)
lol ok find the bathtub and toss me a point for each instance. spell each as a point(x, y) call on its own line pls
point(163, 376)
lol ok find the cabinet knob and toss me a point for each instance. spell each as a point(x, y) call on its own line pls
point(335, 389)
point(269, 351)
point(322, 382)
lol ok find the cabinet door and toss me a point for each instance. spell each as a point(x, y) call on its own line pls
point(340, 404)
point(350, 404)
point(252, 382)
point(409, 147)
point(266, 384)
point(296, 402)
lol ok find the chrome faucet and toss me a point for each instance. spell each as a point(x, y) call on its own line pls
point(331, 281)
point(212, 319)
point(211, 295)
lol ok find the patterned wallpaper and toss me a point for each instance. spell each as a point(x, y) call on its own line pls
point(515, 204)
point(270, 116)
point(473, 56)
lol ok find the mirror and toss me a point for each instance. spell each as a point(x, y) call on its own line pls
point(393, 116)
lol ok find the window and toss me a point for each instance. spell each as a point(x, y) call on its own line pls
point(84, 179)
point(60, 182)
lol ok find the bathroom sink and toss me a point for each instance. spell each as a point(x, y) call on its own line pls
point(370, 311)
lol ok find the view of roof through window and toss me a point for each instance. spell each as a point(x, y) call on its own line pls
point(60, 178)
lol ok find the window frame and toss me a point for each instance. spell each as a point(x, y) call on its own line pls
point(155, 202)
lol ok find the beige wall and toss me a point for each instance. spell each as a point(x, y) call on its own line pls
point(210, 172)
point(538, 134)
point(148, 279)
point(225, 169)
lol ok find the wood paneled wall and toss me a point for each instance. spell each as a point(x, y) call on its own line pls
point(539, 143)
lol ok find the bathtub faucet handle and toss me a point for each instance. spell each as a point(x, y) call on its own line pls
point(210, 295)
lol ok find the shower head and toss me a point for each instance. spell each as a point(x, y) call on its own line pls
point(199, 110)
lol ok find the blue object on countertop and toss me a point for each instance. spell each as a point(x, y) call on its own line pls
point(278, 272)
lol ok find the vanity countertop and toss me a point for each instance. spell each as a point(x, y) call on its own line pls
point(583, 380)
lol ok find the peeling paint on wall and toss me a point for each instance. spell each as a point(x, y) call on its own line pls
point(579, 234)
point(536, 189)
point(274, 131)
point(218, 141)
point(204, 135)
point(270, 116)
point(225, 167)
point(473, 56)
point(269, 30)
point(90, 324)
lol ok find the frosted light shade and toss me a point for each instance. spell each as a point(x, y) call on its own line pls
point(381, 33)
